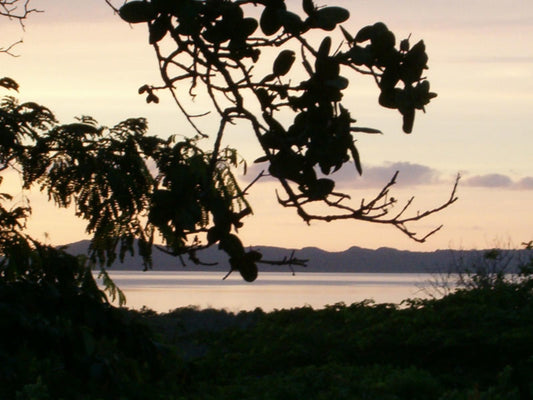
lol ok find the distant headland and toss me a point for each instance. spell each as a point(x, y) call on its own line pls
point(354, 259)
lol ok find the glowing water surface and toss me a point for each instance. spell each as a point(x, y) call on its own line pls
point(165, 291)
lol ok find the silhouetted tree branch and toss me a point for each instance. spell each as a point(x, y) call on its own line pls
point(132, 188)
point(215, 48)
point(15, 10)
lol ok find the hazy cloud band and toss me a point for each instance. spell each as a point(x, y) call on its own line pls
point(410, 174)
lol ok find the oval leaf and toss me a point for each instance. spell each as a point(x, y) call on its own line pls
point(325, 46)
point(137, 11)
point(292, 23)
point(334, 14)
point(364, 34)
point(408, 120)
point(308, 7)
point(249, 25)
point(158, 29)
point(327, 18)
point(270, 21)
point(283, 62)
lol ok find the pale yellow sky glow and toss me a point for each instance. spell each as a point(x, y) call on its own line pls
point(79, 59)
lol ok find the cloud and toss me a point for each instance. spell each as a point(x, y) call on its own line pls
point(409, 175)
point(489, 181)
point(499, 181)
point(373, 176)
point(525, 183)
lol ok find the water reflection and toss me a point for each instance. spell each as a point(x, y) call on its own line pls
point(164, 291)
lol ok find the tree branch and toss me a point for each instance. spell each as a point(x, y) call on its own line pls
point(17, 10)
point(304, 127)
point(375, 212)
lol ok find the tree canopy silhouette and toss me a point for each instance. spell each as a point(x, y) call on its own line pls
point(132, 187)
point(298, 119)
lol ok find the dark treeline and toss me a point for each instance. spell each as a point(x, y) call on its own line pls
point(476, 343)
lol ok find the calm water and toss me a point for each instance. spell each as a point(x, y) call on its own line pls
point(164, 291)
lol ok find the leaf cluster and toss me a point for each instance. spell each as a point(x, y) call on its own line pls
point(126, 184)
point(131, 187)
point(221, 47)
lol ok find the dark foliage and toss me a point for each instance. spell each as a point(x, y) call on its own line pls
point(216, 48)
point(131, 187)
point(473, 343)
point(61, 341)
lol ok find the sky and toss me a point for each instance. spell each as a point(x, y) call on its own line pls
point(78, 58)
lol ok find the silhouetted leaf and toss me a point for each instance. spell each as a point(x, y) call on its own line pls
point(356, 158)
point(9, 83)
point(261, 159)
point(249, 25)
point(327, 18)
point(152, 98)
point(415, 61)
point(339, 83)
point(383, 40)
point(364, 34)
point(158, 29)
point(408, 120)
point(389, 78)
point(283, 62)
point(325, 47)
point(422, 95)
point(361, 55)
point(320, 189)
point(143, 88)
point(387, 98)
point(365, 130)
point(292, 23)
point(271, 20)
point(349, 38)
point(404, 45)
point(137, 11)
point(218, 33)
point(272, 140)
point(265, 99)
point(308, 6)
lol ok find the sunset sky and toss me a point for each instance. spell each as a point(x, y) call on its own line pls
point(79, 59)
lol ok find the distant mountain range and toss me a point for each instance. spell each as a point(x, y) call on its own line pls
point(355, 259)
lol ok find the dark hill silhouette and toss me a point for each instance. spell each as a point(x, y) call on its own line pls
point(354, 259)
